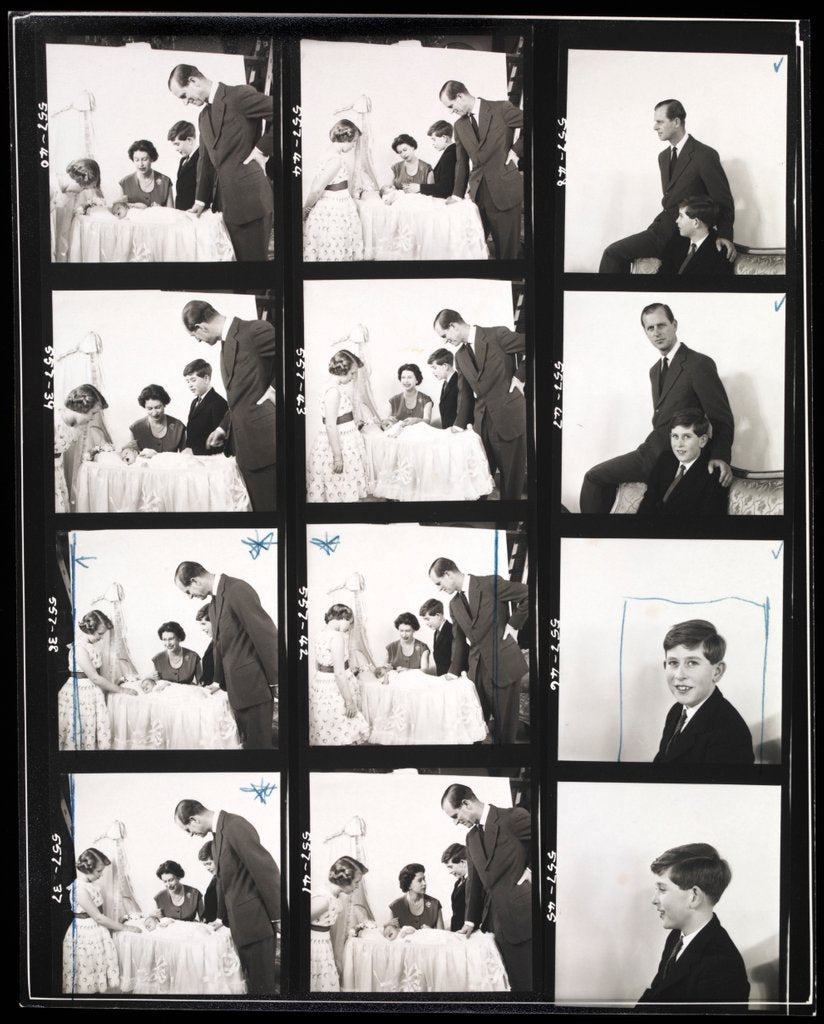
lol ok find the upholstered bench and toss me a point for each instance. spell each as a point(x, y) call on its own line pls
point(751, 494)
point(749, 262)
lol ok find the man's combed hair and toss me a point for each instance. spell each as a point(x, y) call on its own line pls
point(198, 312)
point(447, 317)
point(452, 88)
point(455, 795)
point(697, 633)
point(658, 305)
point(188, 809)
point(181, 74)
point(188, 571)
point(695, 864)
point(675, 108)
point(442, 565)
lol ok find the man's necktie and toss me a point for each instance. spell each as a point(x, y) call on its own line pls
point(682, 721)
point(465, 603)
point(679, 476)
point(679, 945)
point(471, 355)
point(688, 257)
point(663, 374)
point(673, 162)
point(475, 128)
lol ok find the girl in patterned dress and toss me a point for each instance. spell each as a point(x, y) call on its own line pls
point(332, 229)
point(334, 718)
point(336, 469)
point(89, 955)
point(344, 877)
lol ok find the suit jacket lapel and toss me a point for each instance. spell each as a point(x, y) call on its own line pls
point(481, 349)
point(490, 834)
point(684, 159)
point(484, 120)
point(228, 353)
point(218, 608)
point(686, 961)
point(218, 840)
point(474, 597)
point(673, 373)
point(218, 111)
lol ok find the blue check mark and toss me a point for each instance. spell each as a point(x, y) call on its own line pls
point(780, 303)
point(777, 67)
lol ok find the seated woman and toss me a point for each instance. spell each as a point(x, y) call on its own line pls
point(409, 406)
point(176, 900)
point(443, 183)
point(344, 877)
point(146, 187)
point(83, 718)
point(176, 664)
point(407, 652)
point(409, 170)
point(156, 432)
point(334, 718)
point(415, 909)
point(90, 961)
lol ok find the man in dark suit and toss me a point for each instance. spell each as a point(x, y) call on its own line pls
point(247, 366)
point(182, 137)
point(207, 410)
point(680, 483)
point(481, 615)
point(702, 727)
point(485, 359)
point(231, 172)
point(700, 962)
point(443, 369)
point(499, 879)
point(432, 614)
point(440, 134)
point(484, 134)
point(454, 860)
point(680, 379)
point(688, 168)
point(692, 251)
point(248, 889)
point(244, 645)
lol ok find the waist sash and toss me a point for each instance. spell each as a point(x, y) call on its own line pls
point(338, 186)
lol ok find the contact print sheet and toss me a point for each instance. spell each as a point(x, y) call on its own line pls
point(441, 677)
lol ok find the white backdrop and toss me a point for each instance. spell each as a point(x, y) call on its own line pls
point(402, 80)
point(132, 101)
point(146, 803)
point(605, 887)
point(399, 316)
point(144, 564)
point(144, 342)
point(736, 103)
point(607, 358)
point(612, 575)
point(394, 561)
point(404, 825)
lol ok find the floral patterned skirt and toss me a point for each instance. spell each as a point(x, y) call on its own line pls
point(83, 718)
point(332, 232)
point(89, 957)
point(322, 482)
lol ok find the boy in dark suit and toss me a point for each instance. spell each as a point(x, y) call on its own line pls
point(432, 614)
point(693, 250)
point(700, 962)
point(702, 727)
point(454, 859)
point(681, 482)
point(207, 409)
point(440, 134)
point(182, 137)
point(443, 369)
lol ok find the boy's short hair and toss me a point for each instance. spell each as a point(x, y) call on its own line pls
point(695, 419)
point(440, 357)
point(181, 130)
point(431, 607)
point(695, 864)
point(697, 633)
point(700, 208)
point(442, 128)
point(198, 367)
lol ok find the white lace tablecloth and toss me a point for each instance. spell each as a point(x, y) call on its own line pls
point(154, 235)
point(181, 717)
point(184, 958)
point(414, 707)
point(431, 960)
point(167, 482)
point(416, 227)
point(424, 463)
